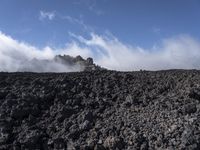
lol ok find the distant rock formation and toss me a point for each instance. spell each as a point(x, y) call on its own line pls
point(86, 64)
point(60, 63)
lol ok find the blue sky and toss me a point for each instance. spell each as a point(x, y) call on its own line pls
point(136, 22)
point(118, 34)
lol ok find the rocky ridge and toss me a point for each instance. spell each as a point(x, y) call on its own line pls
point(60, 63)
point(85, 64)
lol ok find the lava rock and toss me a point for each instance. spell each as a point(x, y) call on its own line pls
point(113, 143)
point(101, 109)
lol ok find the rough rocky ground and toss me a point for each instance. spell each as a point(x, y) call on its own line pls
point(101, 110)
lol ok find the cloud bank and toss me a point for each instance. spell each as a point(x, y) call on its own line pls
point(181, 52)
point(20, 56)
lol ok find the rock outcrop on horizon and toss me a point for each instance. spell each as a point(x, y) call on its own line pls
point(60, 63)
point(85, 64)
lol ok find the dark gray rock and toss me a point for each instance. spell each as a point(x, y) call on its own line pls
point(100, 110)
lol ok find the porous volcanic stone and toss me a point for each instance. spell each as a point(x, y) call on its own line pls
point(100, 110)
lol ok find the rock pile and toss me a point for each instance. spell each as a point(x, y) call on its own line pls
point(100, 110)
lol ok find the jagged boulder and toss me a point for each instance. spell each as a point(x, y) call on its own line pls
point(89, 61)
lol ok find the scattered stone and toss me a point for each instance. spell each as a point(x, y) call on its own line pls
point(113, 143)
point(100, 110)
point(59, 144)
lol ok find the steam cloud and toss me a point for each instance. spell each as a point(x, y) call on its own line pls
point(181, 52)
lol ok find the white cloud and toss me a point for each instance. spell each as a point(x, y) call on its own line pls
point(19, 56)
point(181, 52)
point(47, 15)
point(77, 21)
point(73, 20)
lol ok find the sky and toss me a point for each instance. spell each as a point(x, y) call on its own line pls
point(118, 34)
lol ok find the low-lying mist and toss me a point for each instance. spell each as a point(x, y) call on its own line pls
point(18, 56)
point(181, 52)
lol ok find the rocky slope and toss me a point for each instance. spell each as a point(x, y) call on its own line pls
point(101, 110)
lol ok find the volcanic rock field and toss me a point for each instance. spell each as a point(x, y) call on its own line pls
point(100, 110)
